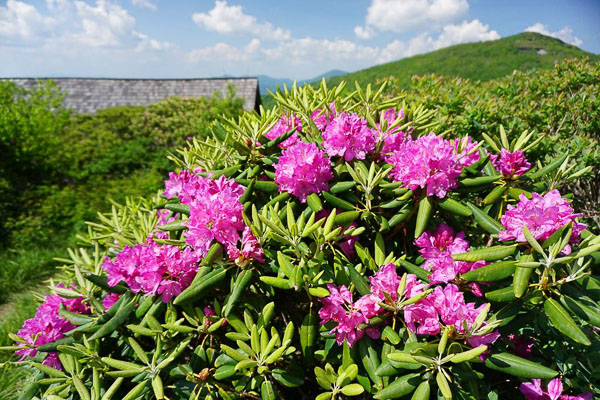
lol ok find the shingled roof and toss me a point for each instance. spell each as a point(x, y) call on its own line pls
point(88, 95)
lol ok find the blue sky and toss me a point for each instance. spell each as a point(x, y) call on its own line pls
point(300, 39)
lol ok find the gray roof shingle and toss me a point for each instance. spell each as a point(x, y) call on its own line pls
point(88, 95)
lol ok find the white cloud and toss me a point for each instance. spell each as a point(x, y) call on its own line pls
point(223, 52)
point(227, 19)
point(565, 34)
point(308, 50)
point(473, 31)
point(104, 25)
point(406, 15)
point(74, 24)
point(22, 21)
point(144, 4)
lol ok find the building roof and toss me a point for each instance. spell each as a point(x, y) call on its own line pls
point(88, 95)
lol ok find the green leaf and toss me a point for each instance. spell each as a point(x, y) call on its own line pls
point(479, 181)
point(521, 280)
point(354, 389)
point(288, 378)
point(517, 366)
point(225, 372)
point(547, 169)
point(493, 253)
point(494, 195)
point(346, 218)
point(455, 207)
point(119, 318)
point(443, 385)
point(423, 215)
point(491, 273)
point(400, 387)
point(468, 355)
point(337, 202)
point(242, 280)
point(314, 202)
point(532, 242)
point(379, 250)
point(359, 281)
point(308, 335)
point(342, 186)
point(501, 295)
point(178, 208)
point(422, 392)
point(202, 288)
point(583, 311)
point(136, 391)
point(369, 358)
point(267, 392)
point(414, 269)
point(562, 321)
point(280, 283)
point(488, 224)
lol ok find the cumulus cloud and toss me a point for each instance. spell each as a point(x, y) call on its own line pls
point(307, 50)
point(406, 15)
point(226, 19)
point(465, 32)
point(22, 21)
point(144, 4)
point(565, 34)
point(225, 52)
point(70, 24)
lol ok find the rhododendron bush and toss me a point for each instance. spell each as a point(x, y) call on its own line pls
point(337, 246)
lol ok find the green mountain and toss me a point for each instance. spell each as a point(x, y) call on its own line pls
point(476, 61)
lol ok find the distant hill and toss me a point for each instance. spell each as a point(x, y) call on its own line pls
point(267, 82)
point(476, 61)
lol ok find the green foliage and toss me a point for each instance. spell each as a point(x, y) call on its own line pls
point(561, 105)
point(265, 341)
point(475, 61)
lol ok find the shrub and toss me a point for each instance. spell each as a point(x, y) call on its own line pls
point(367, 257)
point(560, 104)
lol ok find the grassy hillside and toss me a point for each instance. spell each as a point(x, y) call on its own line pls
point(476, 61)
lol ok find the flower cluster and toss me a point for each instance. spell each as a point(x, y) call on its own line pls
point(215, 214)
point(437, 249)
point(428, 162)
point(184, 185)
point(303, 169)
point(153, 269)
point(543, 215)
point(283, 125)
point(510, 165)
point(446, 306)
point(349, 315)
point(533, 391)
point(47, 326)
point(349, 136)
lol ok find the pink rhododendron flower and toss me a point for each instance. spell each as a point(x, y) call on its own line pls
point(437, 249)
point(47, 326)
point(448, 306)
point(340, 308)
point(284, 125)
point(323, 118)
point(184, 185)
point(303, 169)
point(250, 250)
point(150, 268)
point(215, 214)
point(533, 391)
point(428, 162)
point(543, 215)
point(510, 165)
point(348, 136)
